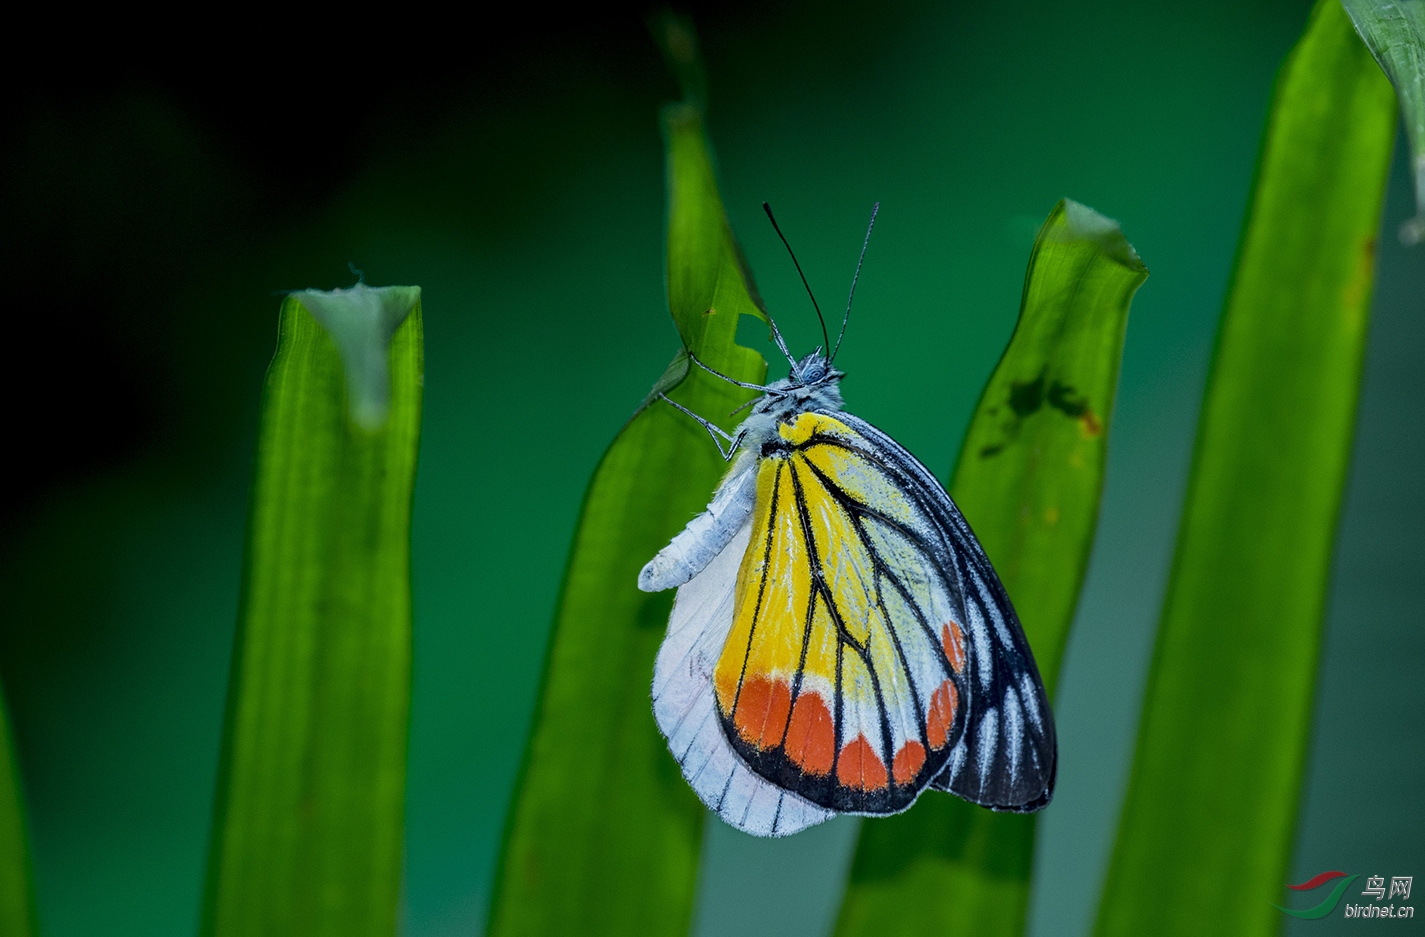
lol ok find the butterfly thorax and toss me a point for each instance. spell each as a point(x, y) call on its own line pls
point(813, 384)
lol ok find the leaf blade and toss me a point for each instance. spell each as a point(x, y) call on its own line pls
point(1029, 480)
point(308, 828)
point(1210, 811)
point(1394, 31)
point(620, 857)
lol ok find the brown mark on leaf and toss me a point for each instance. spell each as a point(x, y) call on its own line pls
point(1358, 288)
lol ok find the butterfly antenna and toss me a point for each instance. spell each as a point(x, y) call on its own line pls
point(781, 342)
point(826, 340)
point(874, 209)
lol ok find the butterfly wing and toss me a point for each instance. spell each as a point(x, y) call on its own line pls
point(686, 711)
point(872, 650)
point(1007, 757)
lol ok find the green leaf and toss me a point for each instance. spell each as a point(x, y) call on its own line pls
point(17, 896)
point(1394, 30)
point(604, 833)
point(1031, 470)
point(1207, 826)
point(308, 828)
point(1028, 480)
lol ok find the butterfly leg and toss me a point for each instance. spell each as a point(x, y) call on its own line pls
point(759, 387)
point(717, 433)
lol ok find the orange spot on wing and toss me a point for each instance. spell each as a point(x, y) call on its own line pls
point(942, 715)
point(859, 768)
point(761, 713)
point(1090, 423)
point(811, 738)
point(907, 762)
point(952, 640)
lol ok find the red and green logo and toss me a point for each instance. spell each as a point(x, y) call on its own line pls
point(1327, 904)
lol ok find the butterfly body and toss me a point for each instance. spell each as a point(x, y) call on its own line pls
point(839, 641)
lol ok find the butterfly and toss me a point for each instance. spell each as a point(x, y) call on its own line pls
point(839, 641)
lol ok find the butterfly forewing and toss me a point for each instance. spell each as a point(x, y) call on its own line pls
point(1006, 758)
point(872, 650)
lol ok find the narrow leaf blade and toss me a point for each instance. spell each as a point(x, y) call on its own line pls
point(1031, 471)
point(604, 833)
point(1394, 31)
point(308, 832)
point(1029, 479)
point(1211, 808)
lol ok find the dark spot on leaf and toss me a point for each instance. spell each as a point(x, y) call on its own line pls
point(1026, 396)
point(1062, 397)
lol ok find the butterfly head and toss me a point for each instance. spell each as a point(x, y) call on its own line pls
point(811, 385)
point(812, 370)
point(813, 377)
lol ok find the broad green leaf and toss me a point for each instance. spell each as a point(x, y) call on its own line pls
point(17, 898)
point(1028, 480)
point(308, 827)
point(604, 834)
point(1207, 826)
point(1394, 30)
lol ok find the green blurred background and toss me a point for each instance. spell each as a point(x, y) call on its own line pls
point(149, 209)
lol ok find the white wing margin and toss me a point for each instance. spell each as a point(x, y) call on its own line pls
point(686, 711)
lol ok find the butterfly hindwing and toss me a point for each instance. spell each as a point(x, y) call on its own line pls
point(686, 712)
point(871, 649)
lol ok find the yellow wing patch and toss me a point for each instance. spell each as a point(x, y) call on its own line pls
point(842, 675)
